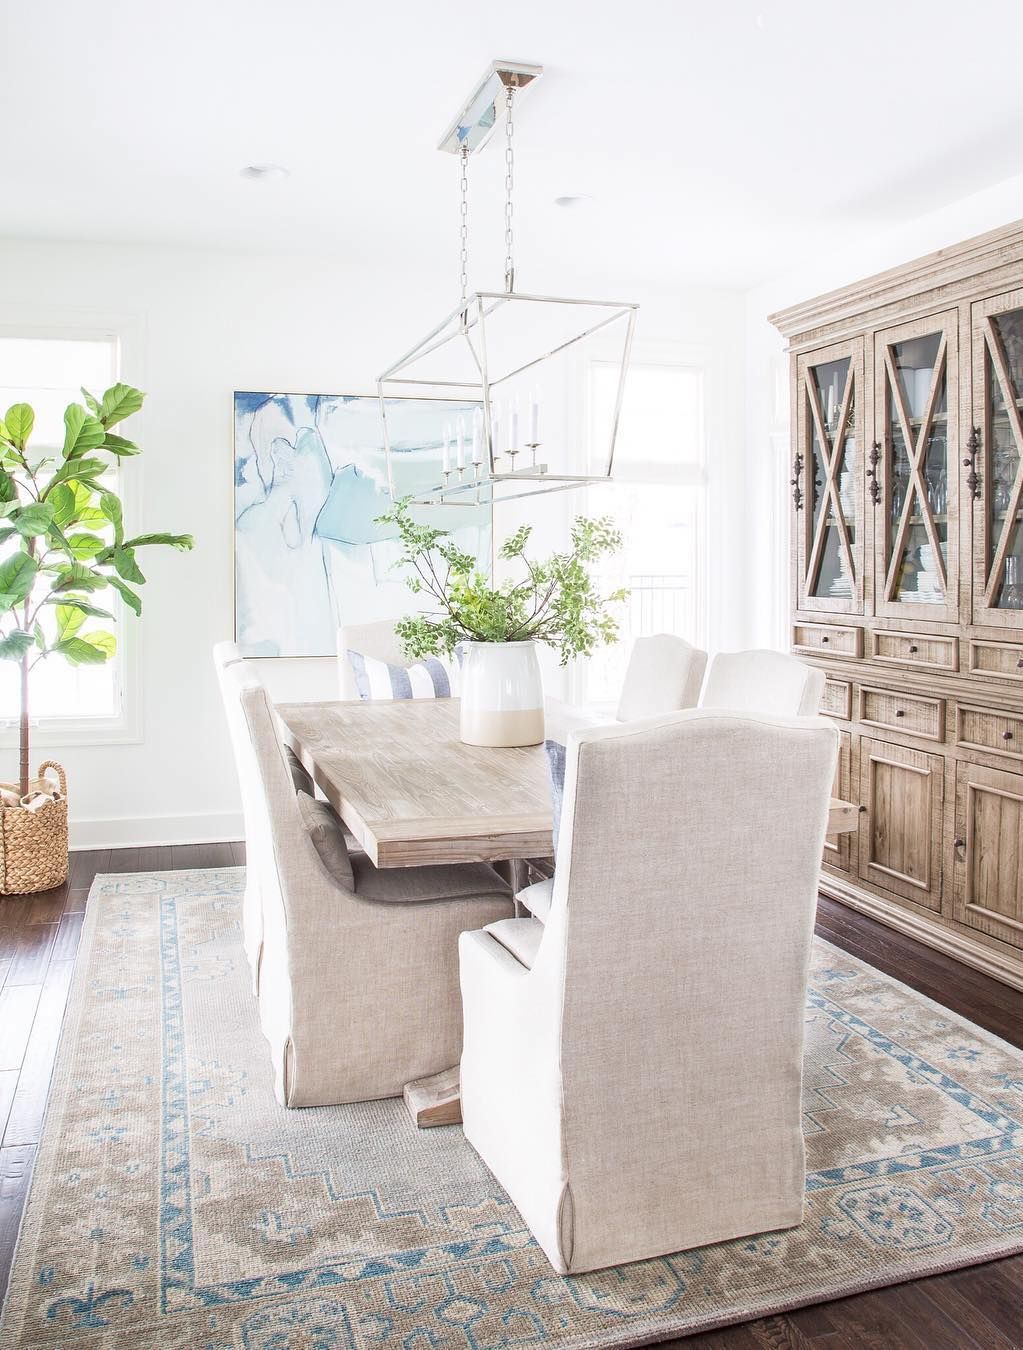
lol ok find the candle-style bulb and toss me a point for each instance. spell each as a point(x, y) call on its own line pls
point(460, 461)
point(534, 418)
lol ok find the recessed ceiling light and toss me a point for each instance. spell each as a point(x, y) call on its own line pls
point(573, 203)
point(264, 172)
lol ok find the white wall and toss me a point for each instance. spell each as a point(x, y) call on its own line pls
point(201, 325)
point(768, 451)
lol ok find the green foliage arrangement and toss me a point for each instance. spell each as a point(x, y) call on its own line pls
point(557, 601)
point(63, 542)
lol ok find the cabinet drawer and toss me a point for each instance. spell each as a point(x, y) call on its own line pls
point(1004, 659)
point(828, 638)
point(997, 733)
point(934, 651)
point(836, 701)
point(913, 716)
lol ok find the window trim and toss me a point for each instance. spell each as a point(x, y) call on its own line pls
point(125, 727)
point(693, 356)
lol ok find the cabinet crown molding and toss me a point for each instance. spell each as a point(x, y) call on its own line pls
point(939, 278)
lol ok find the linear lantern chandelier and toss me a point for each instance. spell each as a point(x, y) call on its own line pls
point(510, 357)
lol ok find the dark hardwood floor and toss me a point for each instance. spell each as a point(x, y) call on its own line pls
point(975, 1309)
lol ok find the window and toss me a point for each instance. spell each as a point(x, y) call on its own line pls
point(48, 373)
point(658, 501)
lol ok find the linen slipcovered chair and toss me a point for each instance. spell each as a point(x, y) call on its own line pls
point(371, 639)
point(256, 838)
point(226, 654)
point(358, 980)
point(664, 675)
point(631, 1071)
point(763, 682)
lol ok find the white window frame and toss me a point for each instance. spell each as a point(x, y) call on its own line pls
point(674, 356)
point(125, 726)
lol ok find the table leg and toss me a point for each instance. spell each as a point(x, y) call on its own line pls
point(435, 1100)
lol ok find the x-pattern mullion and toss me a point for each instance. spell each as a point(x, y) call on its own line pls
point(916, 449)
point(1009, 395)
point(832, 454)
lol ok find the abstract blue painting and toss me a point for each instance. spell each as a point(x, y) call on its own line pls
point(310, 479)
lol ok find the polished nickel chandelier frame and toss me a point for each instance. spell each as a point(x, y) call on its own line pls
point(484, 471)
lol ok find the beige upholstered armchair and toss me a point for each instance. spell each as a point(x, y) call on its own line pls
point(631, 1070)
point(763, 681)
point(358, 968)
point(664, 675)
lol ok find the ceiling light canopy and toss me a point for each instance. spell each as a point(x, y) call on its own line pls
point(518, 356)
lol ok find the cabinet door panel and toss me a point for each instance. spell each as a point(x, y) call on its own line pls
point(828, 479)
point(837, 847)
point(995, 447)
point(900, 831)
point(989, 852)
point(916, 545)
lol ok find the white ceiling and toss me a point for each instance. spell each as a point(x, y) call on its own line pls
point(720, 142)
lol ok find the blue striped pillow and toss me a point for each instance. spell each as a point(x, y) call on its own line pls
point(430, 678)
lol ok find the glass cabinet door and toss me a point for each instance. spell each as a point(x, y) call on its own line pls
point(995, 450)
point(827, 482)
point(912, 473)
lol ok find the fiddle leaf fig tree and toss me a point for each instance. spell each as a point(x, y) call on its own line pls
point(63, 545)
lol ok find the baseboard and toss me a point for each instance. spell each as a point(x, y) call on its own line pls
point(215, 827)
point(948, 940)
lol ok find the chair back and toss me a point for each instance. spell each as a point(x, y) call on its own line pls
point(376, 640)
point(226, 653)
point(664, 675)
point(767, 682)
point(681, 927)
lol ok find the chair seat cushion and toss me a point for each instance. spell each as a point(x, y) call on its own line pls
point(537, 898)
point(327, 836)
point(449, 881)
point(521, 937)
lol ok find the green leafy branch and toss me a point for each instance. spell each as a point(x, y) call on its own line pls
point(556, 602)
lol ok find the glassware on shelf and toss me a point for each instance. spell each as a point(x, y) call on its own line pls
point(1012, 589)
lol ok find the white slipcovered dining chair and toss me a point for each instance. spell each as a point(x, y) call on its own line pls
point(358, 967)
point(631, 1071)
point(763, 681)
point(376, 640)
point(226, 654)
point(664, 675)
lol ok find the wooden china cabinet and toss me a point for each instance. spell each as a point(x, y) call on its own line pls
point(907, 586)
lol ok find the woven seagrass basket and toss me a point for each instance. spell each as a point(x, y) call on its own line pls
point(33, 844)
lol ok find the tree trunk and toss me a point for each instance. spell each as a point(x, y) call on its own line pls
point(23, 725)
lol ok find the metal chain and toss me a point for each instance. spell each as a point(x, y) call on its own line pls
point(509, 182)
point(464, 228)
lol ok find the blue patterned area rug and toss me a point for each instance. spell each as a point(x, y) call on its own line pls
point(175, 1204)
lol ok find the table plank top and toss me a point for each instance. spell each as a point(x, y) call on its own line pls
point(412, 793)
point(409, 790)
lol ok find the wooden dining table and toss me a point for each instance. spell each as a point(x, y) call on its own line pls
point(412, 793)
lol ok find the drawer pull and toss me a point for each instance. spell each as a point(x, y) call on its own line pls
point(913, 648)
point(862, 809)
point(825, 638)
point(1006, 735)
point(900, 712)
point(1019, 663)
